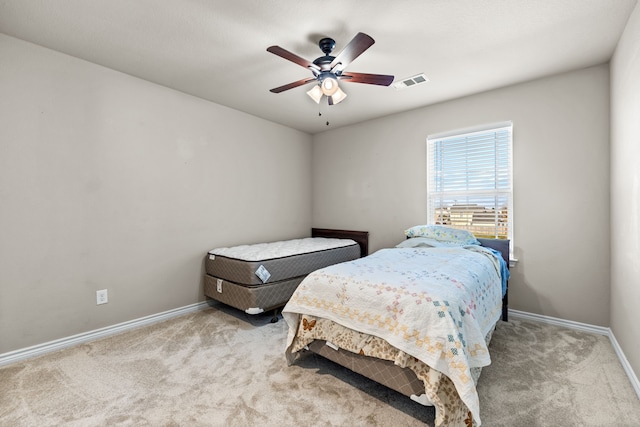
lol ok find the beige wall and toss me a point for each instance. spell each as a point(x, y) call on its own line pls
point(371, 176)
point(108, 181)
point(625, 191)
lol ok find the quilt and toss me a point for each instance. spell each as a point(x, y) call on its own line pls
point(435, 304)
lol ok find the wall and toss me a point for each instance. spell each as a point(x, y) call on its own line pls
point(625, 191)
point(372, 176)
point(109, 181)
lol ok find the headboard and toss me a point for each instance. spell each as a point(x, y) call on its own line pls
point(500, 245)
point(361, 237)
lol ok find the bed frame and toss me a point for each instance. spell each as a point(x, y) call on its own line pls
point(385, 372)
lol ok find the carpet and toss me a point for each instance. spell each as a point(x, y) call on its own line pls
point(222, 367)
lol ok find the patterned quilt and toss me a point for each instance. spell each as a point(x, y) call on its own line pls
point(435, 304)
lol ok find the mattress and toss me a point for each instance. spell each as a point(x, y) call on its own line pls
point(272, 262)
point(261, 277)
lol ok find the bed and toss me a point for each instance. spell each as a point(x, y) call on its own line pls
point(260, 277)
point(417, 318)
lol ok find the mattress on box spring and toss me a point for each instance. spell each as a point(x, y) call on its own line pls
point(232, 280)
point(280, 260)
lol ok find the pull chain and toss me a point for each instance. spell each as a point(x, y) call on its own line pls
point(320, 113)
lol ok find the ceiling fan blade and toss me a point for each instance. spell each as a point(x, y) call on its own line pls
point(356, 46)
point(372, 79)
point(283, 53)
point(292, 85)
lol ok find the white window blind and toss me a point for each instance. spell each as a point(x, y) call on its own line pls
point(469, 181)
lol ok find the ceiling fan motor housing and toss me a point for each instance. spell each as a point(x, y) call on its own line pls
point(324, 62)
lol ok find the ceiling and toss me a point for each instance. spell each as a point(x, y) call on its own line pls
point(216, 49)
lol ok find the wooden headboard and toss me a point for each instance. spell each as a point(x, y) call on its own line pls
point(361, 237)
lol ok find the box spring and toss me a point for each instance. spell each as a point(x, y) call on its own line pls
point(385, 372)
point(251, 299)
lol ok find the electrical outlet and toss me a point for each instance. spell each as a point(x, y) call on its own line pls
point(101, 297)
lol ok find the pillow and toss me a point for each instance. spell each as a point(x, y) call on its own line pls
point(421, 242)
point(443, 234)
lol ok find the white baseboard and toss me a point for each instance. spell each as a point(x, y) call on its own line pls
point(600, 330)
point(625, 364)
point(48, 347)
point(585, 328)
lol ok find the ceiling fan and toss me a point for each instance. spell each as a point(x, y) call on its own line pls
point(328, 70)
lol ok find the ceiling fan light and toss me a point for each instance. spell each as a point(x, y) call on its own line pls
point(337, 97)
point(315, 93)
point(329, 86)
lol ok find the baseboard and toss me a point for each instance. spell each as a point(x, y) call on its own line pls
point(625, 364)
point(48, 347)
point(635, 383)
point(560, 322)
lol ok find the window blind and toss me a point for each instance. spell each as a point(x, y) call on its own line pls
point(469, 181)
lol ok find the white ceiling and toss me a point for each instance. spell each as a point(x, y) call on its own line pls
point(216, 49)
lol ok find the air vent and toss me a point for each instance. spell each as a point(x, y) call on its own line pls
point(411, 81)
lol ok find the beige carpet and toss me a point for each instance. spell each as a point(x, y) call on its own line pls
point(220, 367)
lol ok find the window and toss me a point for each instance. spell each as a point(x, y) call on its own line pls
point(469, 180)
